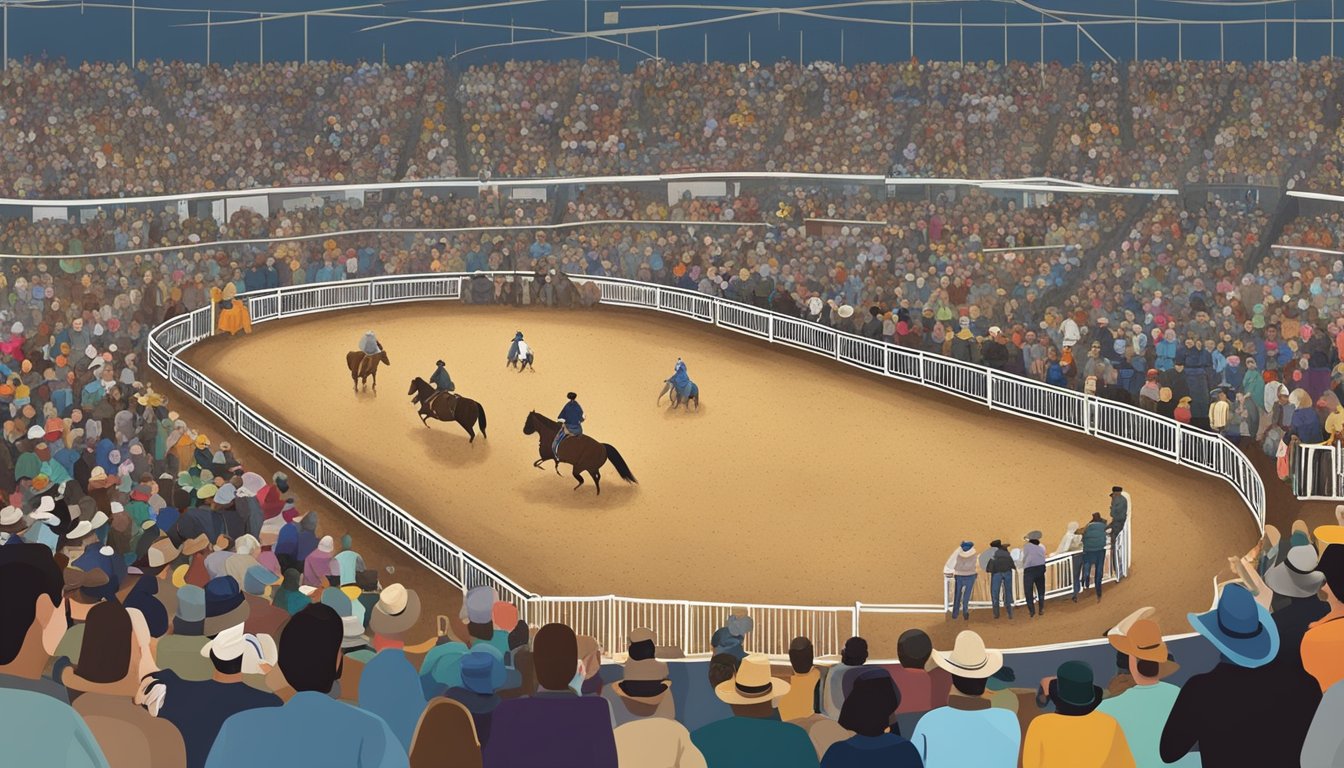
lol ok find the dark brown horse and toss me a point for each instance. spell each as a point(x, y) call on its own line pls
point(436, 404)
point(363, 366)
point(581, 451)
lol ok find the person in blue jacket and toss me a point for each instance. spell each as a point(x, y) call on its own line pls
point(680, 379)
point(571, 421)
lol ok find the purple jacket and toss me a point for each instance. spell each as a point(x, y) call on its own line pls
point(556, 729)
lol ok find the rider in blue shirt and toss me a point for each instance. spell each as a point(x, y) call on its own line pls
point(571, 421)
point(440, 379)
point(680, 379)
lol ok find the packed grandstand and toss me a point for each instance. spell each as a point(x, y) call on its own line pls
point(166, 603)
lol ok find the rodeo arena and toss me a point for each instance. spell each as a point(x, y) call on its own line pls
point(593, 383)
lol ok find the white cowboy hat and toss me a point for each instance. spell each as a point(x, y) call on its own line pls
point(969, 657)
point(752, 684)
point(845, 311)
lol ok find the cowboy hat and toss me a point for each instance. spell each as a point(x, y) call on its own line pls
point(845, 311)
point(1032, 535)
point(224, 605)
point(234, 643)
point(483, 673)
point(1239, 627)
point(969, 657)
point(397, 610)
point(752, 684)
point(645, 681)
point(1296, 576)
point(1143, 641)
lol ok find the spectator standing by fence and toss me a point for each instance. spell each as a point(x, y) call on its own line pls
point(1119, 519)
point(961, 566)
point(1093, 560)
point(1000, 569)
point(1033, 573)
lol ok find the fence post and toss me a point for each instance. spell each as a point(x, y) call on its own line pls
point(989, 389)
point(854, 623)
point(686, 615)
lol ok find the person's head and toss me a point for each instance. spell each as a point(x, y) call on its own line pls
point(1332, 565)
point(872, 700)
point(519, 636)
point(641, 644)
point(801, 655)
point(855, 652)
point(1116, 491)
point(310, 649)
point(555, 656)
point(970, 686)
point(722, 667)
point(31, 607)
point(913, 648)
point(105, 654)
point(571, 396)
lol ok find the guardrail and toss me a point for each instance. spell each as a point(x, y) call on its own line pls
point(608, 617)
point(1317, 472)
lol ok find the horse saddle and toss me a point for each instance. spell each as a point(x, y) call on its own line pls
point(449, 398)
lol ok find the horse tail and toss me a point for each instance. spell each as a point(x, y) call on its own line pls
point(481, 407)
point(614, 456)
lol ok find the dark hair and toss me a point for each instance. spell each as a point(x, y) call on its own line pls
point(519, 636)
point(481, 631)
point(367, 581)
point(571, 395)
point(644, 649)
point(27, 571)
point(1332, 565)
point(801, 655)
point(871, 702)
point(310, 648)
point(555, 656)
point(970, 686)
point(105, 654)
point(231, 667)
point(855, 653)
point(1148, 668)
point(913, 648)
point(722, 668)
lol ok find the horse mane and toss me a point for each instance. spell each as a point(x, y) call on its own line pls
point(545, 421)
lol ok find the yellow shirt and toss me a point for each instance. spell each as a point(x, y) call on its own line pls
point(1323, 649)
point(1093, 740)
point(797, 703)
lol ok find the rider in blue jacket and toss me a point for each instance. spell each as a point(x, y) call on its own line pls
point(571, 421)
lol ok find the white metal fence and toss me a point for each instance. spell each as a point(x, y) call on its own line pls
point(690, 622)
point(1318, 472)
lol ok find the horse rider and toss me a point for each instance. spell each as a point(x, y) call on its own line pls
point(514, 347)
point(680, 380)
point(369, 344)
point(443, 383)
point(571, 422)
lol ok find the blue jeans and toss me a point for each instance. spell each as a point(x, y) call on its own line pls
point(1091, 565)
point(961, 595)
point(577, 429)
point(1001, 584)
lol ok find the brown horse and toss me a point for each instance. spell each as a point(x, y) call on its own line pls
point(435, 404)
point(363, 366)
point(581, 451)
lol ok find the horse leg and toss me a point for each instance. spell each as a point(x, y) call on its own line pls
point(424, 419)
point(578, 476)
point(470, 431)
point(597, 480)
point(375, 378)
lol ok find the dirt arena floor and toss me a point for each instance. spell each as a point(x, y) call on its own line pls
point(857, 490)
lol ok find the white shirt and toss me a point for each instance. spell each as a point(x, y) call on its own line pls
point(656, 742)
point(523, 350)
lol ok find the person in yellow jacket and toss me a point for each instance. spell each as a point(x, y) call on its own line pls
point(233, 316)
point(1075, 735)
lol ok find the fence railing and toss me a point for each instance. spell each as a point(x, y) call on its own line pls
point(692, 622)
point(1317, 472)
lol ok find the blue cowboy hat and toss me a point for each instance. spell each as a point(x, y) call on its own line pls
point(1240, 628)
point(517, 335)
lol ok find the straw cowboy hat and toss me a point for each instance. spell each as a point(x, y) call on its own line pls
point(752, 684)
point(969, 657)
point(397, 610)
point(1296, 576)
point(845, 311)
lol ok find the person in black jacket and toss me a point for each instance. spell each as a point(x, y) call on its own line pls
point(1000, 569)
point(994, 352)
point(872, 329)
point(1244, 711)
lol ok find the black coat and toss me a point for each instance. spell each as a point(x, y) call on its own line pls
point(1240, 717)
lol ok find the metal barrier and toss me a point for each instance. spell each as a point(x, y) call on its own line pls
point(608, 618)
point(1318, 472)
